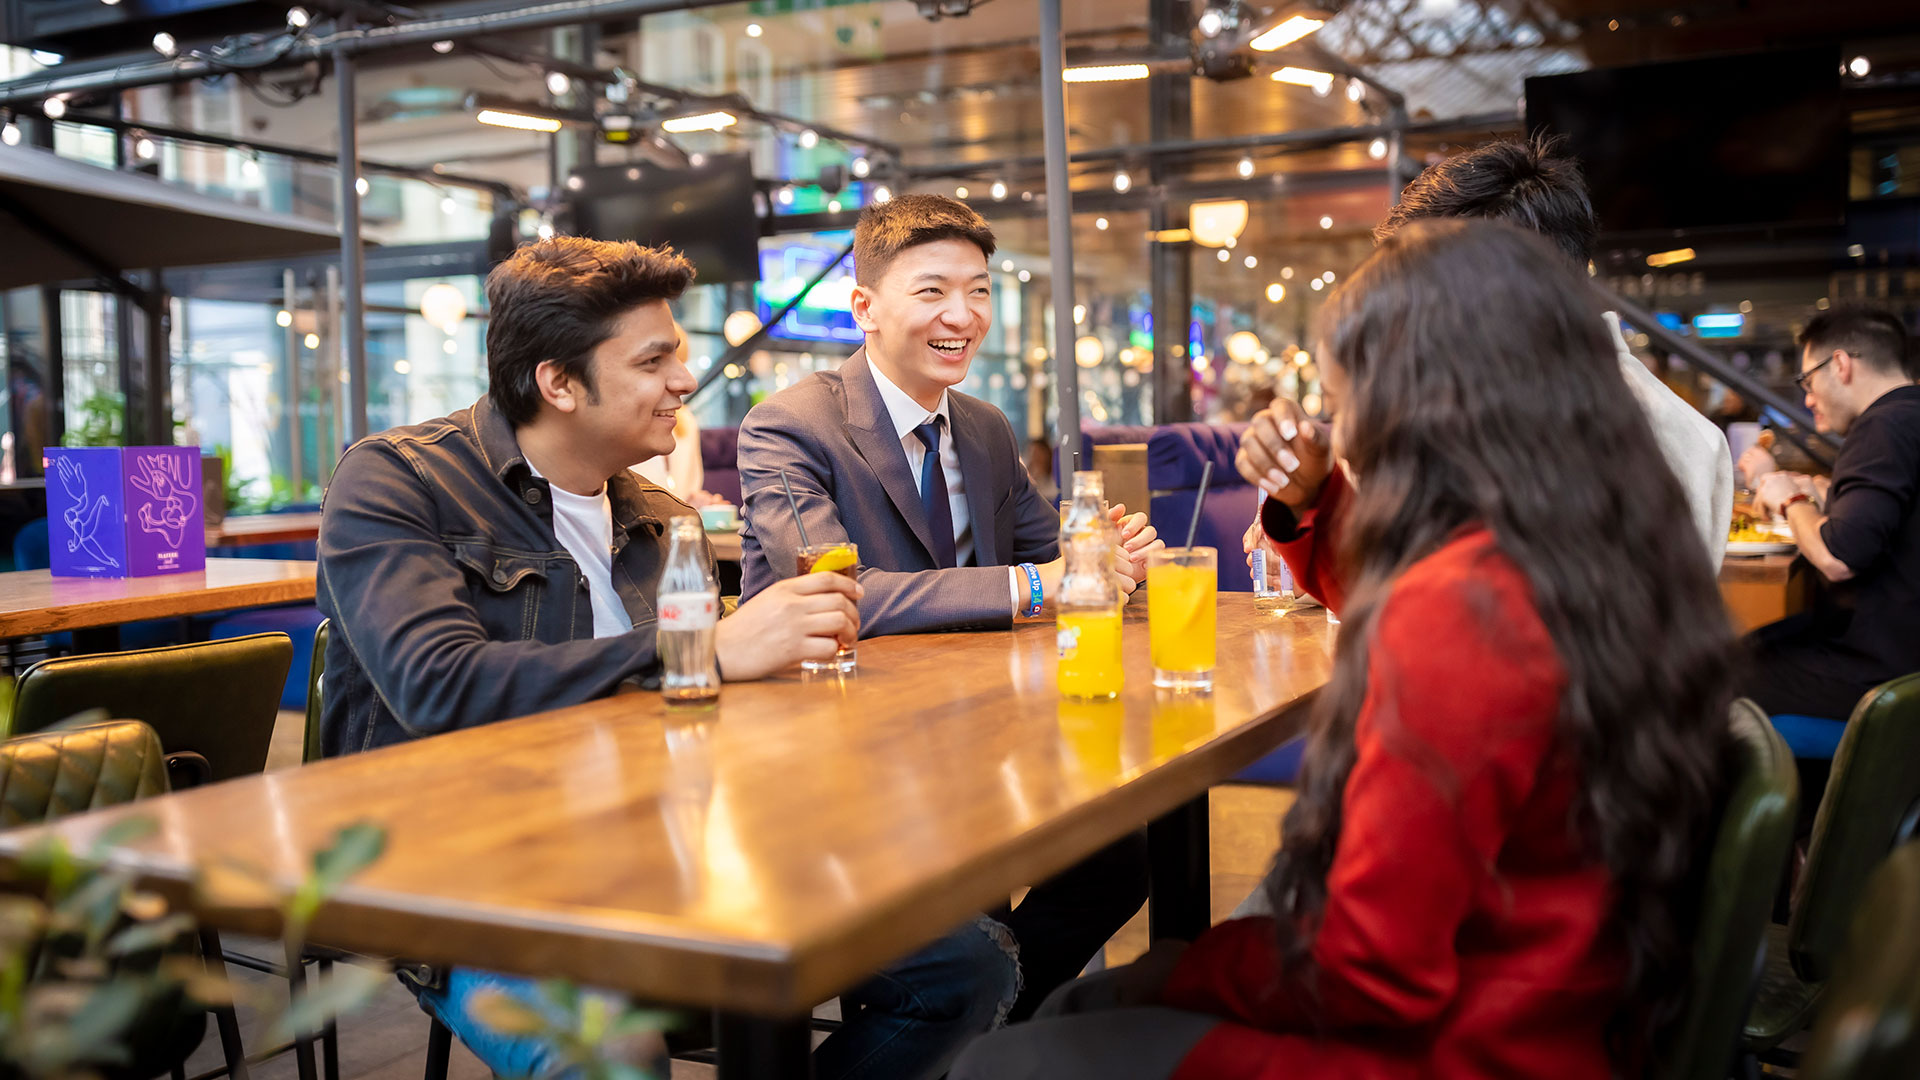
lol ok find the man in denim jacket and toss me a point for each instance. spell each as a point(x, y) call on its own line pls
point(504, 561)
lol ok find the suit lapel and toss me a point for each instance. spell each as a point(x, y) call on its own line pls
point(971, 438)
point(871, 429)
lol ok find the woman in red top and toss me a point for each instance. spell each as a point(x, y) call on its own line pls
point(1488, 869)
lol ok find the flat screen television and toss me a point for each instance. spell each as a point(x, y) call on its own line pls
point(1730, 141)
point(825, 314)
point(705, 212)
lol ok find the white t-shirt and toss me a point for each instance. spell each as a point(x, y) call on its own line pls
point(584, 526)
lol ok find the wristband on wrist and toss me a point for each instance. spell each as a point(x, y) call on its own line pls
point(1796, 497)
point(1034, 597)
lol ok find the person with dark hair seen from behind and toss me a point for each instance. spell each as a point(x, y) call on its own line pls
point(1529, 184)
point(929, 483)
point(1861, 532)
point(504, 561)
point(1493, 859)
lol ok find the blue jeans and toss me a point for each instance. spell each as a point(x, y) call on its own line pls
point(909, 1022)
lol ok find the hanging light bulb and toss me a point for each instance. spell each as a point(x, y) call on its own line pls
point(164, 44)
point(1225, 254)
point(785, 195)
point(1326, 221)
point(1356, 90)
point(882, 194)
point(1246, 167)
point(809, 139)
point(361, 186)
point(10, 133)
point(1276, 292)
point(998, 190)
point(861, 167)
point(298, 17)
point(143, 148)
point(1377, 149)
point(283, 319)
point(1122, 183)
point(1251, 262)
point(1100, 223)
point(443, 47)
point(558, 83)
point(960, 192)
point(250, 169)
point(55, 107)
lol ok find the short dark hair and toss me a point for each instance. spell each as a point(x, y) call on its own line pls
point(558, 300)
point(1874, 337)
point(889, 228)
point(1526, 182)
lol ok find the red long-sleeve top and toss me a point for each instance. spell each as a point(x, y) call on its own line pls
point(1467, 932)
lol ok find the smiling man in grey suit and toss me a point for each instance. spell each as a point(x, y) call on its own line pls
point(926, 480)
point(930, 485)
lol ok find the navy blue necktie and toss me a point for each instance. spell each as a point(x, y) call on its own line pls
point(933, 494)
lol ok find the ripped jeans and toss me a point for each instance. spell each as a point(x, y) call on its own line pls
point(909, 1022)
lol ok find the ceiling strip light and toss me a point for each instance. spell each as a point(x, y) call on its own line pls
point(1104, 73)
point(517, 121)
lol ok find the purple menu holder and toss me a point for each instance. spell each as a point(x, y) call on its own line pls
point(125, 511)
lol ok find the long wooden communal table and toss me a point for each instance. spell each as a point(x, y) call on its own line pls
point(35, 602)
point(764, 855)
point(264, 529)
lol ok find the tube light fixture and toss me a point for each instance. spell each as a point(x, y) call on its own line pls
point(707, 121)
point(1669, 258)
point(517, 121)
point(1320, 81)
point(1105, 73)
point(1289, 31)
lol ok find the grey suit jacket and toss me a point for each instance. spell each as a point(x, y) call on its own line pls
point(832, 434)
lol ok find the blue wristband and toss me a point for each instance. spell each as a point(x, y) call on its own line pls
point(1034, 598)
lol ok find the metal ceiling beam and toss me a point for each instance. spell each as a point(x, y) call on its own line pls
point(450, 24)
point(295, 152)
point(1307, 139)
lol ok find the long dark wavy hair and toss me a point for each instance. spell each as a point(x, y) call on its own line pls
point(1484, 389)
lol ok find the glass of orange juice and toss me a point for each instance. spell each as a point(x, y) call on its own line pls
point(1183, 587)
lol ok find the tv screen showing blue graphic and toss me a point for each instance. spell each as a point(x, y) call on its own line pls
point(824, 314)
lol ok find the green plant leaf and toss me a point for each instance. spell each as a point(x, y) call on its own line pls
point(354, 848)
point(143, 936)
point(348, 988)
point(504, 1014)
point(102, 1020)
point(202, 986)
point(121, 833)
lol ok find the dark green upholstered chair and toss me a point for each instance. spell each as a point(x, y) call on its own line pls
point(52, 774)
point(1870, 807)
point(214, 699)
point(1869, 1025)
point(316, 670)
point(1749, 855)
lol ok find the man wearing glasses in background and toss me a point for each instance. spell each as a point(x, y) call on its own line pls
point(1861, 532)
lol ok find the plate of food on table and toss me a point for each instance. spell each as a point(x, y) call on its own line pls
point(1755, 535)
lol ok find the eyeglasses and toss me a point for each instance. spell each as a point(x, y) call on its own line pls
point(1806, 376)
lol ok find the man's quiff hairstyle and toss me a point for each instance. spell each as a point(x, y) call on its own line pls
point(558, 300)
point(1874, 337)
point(889, 228)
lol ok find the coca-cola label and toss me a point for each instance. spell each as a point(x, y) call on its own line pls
point(689, 610)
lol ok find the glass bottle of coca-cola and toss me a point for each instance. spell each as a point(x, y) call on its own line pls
point(689, 606)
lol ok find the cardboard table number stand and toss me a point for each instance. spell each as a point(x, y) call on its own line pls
point(132, 511)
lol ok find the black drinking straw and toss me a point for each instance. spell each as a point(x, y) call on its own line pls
point(795, 503)
point(1193, 527)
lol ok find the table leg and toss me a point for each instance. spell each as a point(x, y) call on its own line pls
point(754, 1048)
point(1180, 904)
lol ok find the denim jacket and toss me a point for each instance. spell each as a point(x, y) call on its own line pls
point(452, 604)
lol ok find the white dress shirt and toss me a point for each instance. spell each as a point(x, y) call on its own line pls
point(907, 414)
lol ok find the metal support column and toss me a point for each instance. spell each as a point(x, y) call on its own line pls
point(289, 289)
point(1053, 115)
point(156, 400)
point(751, 1048)
point(1169, 266)
point(353, 265)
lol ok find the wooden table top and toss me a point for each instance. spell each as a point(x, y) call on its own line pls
point(35, 602)
point(1757, 570)
point(760, 856)
point(265, 529)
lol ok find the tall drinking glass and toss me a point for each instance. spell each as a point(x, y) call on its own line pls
point(838, 558)
point(1182, 593)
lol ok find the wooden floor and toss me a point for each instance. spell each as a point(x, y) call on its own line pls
point(388, 1040)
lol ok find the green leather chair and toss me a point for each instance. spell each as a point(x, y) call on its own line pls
point(310, 748)
point(213, 703)
point(1749, 855)
point(71, 770)
point(1870, 807)
point(1869, 1026)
